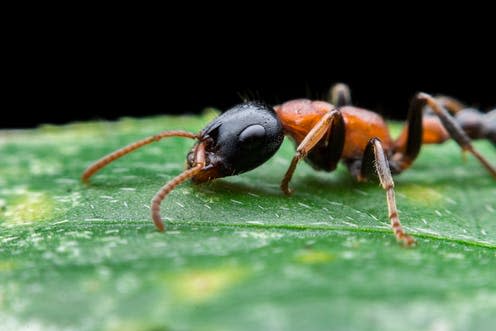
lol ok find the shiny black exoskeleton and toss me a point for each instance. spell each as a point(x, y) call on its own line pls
point(239, 140)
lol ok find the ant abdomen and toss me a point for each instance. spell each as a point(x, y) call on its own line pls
point(490, 126)
point(472, 122)
point(478, 125)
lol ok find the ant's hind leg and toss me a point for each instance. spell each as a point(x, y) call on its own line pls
point(434, 128)
point(451, 104)
point(375, 162)
point(455, 131)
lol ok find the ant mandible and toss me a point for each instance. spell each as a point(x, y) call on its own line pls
point(247, 135)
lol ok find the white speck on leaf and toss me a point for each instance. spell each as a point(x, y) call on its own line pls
point(454, 256)
point(348, 255)
point(60, 222)
point(65, 181)
point(304, 205)
point(255, 222)
point(449, 200)
point(119, 170)
point(128, 189)
point(7, 239)
point(429, 231)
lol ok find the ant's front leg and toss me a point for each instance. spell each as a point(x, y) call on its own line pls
point(330, 128)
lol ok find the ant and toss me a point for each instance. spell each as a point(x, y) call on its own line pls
point(247, 135)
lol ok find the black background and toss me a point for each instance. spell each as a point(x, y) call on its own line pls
point(114, 72)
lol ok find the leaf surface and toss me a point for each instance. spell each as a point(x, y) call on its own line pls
point(237, 254)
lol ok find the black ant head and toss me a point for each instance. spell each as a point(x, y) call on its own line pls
point(237, 141)
point(478, 125)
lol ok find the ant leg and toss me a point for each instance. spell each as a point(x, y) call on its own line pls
point(339, 95)
point(96, 166)
point(455, 131)
point(185, 175)
point(434, 128)
point(330, 121)
point(450, 103)
point(375, 157)
point(407, 146)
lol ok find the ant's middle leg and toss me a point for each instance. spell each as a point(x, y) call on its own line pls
point(375, 161)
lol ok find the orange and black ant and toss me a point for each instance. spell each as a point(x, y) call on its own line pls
point(247, 135)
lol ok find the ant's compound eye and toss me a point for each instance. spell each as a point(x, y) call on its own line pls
point(252, 137)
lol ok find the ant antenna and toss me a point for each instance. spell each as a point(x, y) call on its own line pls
point(93, 168)
point(167, 188)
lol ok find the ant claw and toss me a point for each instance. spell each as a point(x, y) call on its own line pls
point(408, 241)
point(286, 190)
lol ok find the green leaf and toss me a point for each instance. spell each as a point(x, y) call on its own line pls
point(237, 254)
